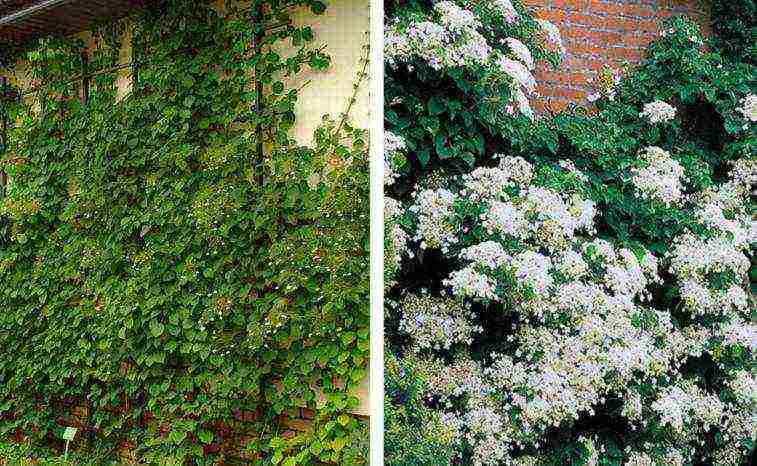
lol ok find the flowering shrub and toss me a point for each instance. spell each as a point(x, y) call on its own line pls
point(581, 333)
point(693, 104)
point(658, 177)
point(583, 293)
point(457, 75)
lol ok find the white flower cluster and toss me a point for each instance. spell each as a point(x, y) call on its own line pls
point(710, 269)
point(462, 377)
point(520, 52)
point(523, 83)
point(434, 210)
point(658, 112)
point(660, 177)
point(471, 283)
point(694, 260)
point(553, 35)
point(394, 147)
point(435, 323)
point(487, 254)
point(585, 332)
point(400, 238)
point(744, 387)
point(455, 18)
point(686, 404)
point(639, 459)
point(454, 41)
point(453, 37)
point(669, 457)
point(749, 108)
point(534, 214)
point(504, 9)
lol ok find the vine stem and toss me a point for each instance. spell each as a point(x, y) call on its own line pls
point(365, 60)
point(257, 48)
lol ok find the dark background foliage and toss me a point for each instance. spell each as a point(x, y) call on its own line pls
point(734, 23)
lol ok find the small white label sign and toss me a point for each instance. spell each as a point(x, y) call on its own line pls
point(69, 433)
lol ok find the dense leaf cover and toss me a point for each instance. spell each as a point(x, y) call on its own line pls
point(734, 23)
point(158, 276)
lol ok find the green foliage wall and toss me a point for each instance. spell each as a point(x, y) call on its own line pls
point(157, 276)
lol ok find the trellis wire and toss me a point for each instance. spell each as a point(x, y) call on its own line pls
point(85, 78)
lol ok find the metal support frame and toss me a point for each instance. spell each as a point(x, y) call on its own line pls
point(134, 71)
point(85, 78)
point(3, 114)
point(257, 16)
point(3, 129)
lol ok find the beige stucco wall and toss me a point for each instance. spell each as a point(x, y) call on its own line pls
point(343, 29)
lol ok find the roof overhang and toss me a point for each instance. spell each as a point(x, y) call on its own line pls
point(24, 19)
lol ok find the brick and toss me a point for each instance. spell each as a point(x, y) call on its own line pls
point(289, 434)
point(605, 8)
point(306, 413)
point(578, 80)
point(552, 77)
point(587, 48)
point(568, 5)
point(610, 37)
point(556, 16)
point(298, 425)
point(649, 25)
point(568, 93)
point(640, 11)
point(585, 19)
point(598, 33)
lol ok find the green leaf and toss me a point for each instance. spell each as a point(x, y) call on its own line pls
point(436, 106)
point(205, 436)
point(424, 155)
point(318, 7)
point(156, 328)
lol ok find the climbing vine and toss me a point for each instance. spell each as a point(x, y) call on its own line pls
point(175, 269)
point(582, 292)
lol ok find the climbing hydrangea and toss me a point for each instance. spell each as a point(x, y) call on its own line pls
point(658, 112)
point(596, 269)
point(584, 328)
point(458, 35)
point(659, 177)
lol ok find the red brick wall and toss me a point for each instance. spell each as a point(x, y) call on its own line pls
point(599, 32)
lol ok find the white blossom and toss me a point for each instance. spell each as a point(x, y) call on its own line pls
point(660, 176)
point(520, 52)
point(749, 108)
point(658, 112)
